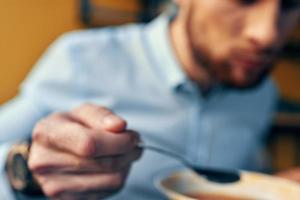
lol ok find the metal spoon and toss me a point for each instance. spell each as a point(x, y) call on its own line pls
point(214, 175)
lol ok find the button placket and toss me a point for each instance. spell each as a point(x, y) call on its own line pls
point(202, 132)
point(196, 145)
point(202, 129)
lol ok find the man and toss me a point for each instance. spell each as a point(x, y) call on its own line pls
point(195, 84)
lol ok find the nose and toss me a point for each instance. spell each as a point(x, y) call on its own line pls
point(262, 29)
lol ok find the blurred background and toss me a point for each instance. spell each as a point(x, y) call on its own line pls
point(28, 27)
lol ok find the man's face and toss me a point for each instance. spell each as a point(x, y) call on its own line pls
point(237, 40)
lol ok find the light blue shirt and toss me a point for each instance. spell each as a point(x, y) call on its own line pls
point(133, 70)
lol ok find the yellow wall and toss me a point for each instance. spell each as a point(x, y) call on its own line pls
point(26, 29)
point(125, 5)
point(287, 76)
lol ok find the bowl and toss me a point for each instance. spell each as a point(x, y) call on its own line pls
point(186, 185)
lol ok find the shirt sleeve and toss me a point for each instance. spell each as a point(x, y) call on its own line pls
point(54, 79)
point(50, 80)
point(17, 119)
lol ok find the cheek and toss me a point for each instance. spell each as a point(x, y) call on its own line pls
point(216, 30)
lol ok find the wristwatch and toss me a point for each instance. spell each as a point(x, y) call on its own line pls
point(18, 172)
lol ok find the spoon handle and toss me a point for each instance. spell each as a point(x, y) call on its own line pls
point(163, 151)
point(218, 176)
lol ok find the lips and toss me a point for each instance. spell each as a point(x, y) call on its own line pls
point(251, 62)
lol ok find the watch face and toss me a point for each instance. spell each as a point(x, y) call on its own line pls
point(18, 172)
point(20, 169)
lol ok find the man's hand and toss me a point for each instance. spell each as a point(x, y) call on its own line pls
point(84, 154)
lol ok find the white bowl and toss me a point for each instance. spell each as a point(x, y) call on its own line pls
point(256, 186)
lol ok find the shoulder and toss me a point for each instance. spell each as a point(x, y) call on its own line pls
point(98, 38)
point(82, 49)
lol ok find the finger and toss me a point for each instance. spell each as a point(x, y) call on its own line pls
point(84, 196)
point(98, 117)
point(52, 161)
point(58, 131)
point(55, 185)
point(104, 164)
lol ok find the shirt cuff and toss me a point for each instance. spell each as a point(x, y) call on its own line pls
point(6, 191)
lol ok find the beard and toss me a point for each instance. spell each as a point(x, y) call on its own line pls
point(219, 71)
point(251, 85)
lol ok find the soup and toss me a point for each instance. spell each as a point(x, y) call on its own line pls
point(216, 197)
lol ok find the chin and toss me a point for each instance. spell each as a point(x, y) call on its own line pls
point(242, 81)
point(245, 84)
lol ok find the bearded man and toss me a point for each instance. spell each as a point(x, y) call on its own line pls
point(194, 82)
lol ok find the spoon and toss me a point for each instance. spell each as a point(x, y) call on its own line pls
point(214, 175)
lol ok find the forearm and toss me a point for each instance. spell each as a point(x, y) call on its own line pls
point(17, 119)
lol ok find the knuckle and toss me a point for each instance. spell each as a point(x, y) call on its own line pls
point(36, 165)
point(34, 161)
point(51, 190)
point(44, 125)
point(32, 165)
point(87, 146)
point(39, 129)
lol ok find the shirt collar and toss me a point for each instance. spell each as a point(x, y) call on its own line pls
point(163, 55)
